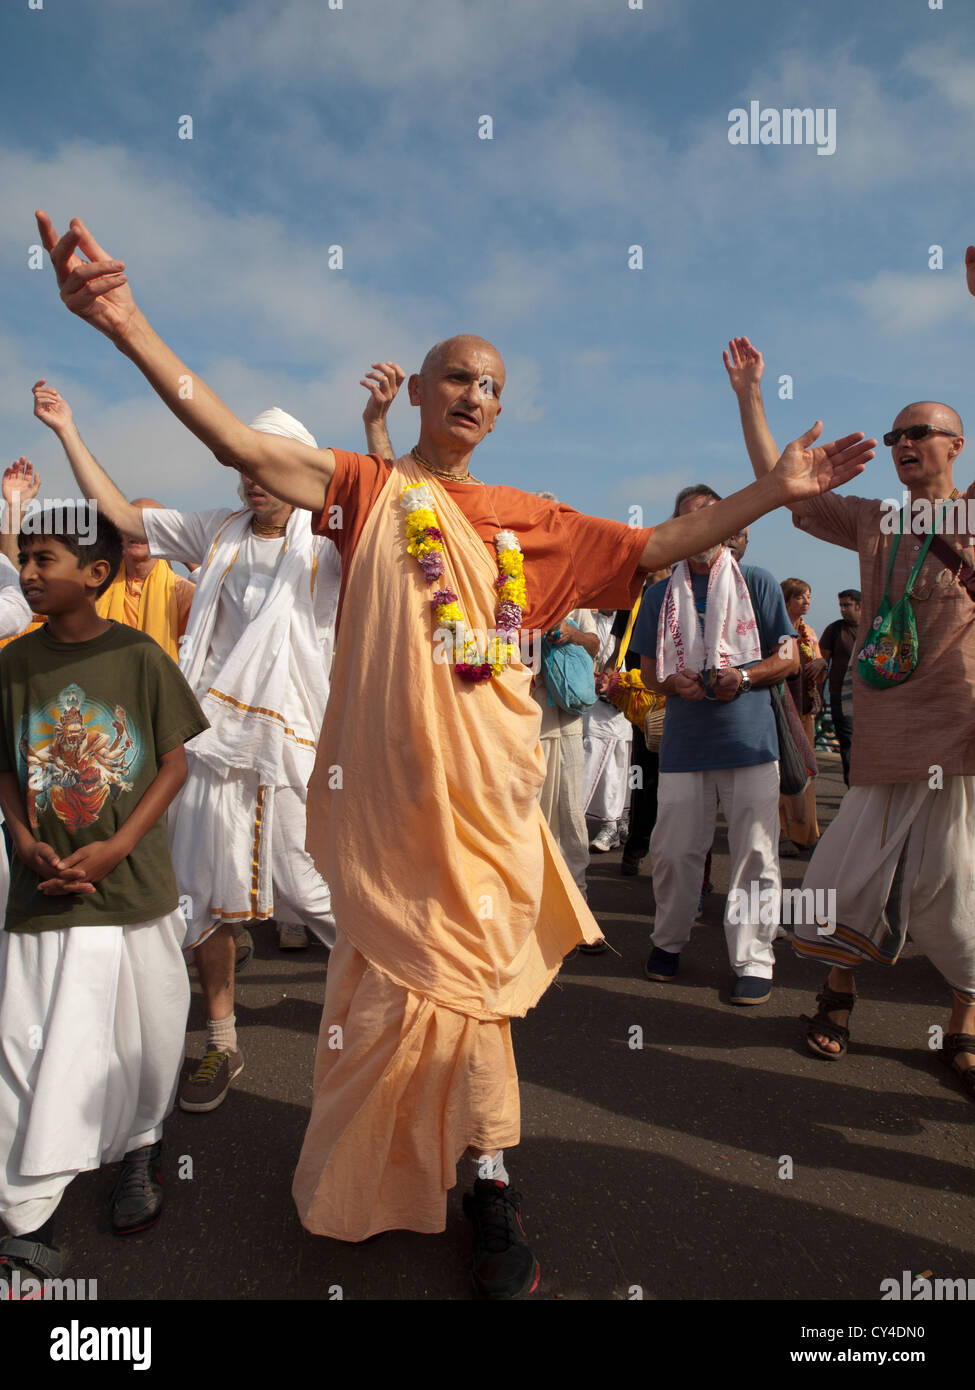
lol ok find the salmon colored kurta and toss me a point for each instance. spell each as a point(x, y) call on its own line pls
point(453, 905)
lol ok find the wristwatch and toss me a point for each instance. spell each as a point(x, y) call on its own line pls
point(746, 684)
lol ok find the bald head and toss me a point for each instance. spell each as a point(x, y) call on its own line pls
point(148, 502)
point(925, 466)
point(461, 346)
point(930, 413)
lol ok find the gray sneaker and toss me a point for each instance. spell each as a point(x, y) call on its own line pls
point(206, 1088)
point(291, 936)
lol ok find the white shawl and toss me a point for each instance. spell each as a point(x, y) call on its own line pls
point(266, 703)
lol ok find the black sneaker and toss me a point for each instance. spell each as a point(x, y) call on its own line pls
point(662, 965)
point(137, 1198)
point(503, 1267)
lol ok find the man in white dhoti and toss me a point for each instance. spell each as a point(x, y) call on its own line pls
point(257, 653)
point(899, 856)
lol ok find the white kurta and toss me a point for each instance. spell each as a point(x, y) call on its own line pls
point(257, 653)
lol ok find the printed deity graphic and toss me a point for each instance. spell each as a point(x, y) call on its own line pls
point(75, 754)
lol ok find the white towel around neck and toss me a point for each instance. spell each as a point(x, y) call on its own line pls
point(730, 629)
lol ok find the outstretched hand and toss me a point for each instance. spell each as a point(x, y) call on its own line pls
point(745, 364)
point(382, 383)
point(805, 471)
point(95, 289)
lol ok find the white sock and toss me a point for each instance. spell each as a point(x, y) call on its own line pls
point(484, 1166)
point(222, 1033)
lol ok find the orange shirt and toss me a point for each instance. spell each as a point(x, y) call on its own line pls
point(571, 560)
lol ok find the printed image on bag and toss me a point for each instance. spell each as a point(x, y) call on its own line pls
point(890, 653)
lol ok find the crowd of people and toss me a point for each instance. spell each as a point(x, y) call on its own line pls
point(182, 758)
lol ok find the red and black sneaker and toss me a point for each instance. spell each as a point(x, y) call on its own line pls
point(503, 1267)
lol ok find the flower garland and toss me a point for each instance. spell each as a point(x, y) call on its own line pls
point(424, 541)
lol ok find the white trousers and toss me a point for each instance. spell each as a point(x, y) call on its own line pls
point(239, 852)
point(687, 808)
point(561, 799)
point(92, 1025)
point(606, 738)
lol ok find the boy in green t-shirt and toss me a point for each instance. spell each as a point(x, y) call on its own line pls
point(93, 987)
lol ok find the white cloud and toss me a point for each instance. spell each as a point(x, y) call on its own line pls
point(388, 44)
point(903, 305)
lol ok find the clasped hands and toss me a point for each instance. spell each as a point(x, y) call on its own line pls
point(725, 684)
point(77, 874)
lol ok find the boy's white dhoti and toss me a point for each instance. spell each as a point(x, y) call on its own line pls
point(92, 1022)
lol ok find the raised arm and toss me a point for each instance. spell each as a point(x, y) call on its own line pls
point(803, 471)
point(382, 384)
point(745, 366)
point(95, 484)
point(96, 289)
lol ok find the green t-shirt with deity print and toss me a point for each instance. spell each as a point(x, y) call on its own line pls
point(83, 724)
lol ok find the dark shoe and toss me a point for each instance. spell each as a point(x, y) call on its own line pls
point(751, 989)
point(593, 948)
point(207, 1087)
point(29, 1257)
point(629, 867)
point(951, 1045)
point(137, 1198)
point(503, 1267)
point(662, 965)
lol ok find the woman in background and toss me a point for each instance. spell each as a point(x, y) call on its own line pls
point(797, 814)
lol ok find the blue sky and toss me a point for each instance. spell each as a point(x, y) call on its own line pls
point(359, 127)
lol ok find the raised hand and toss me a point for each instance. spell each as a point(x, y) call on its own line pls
point(95, 289)
point(970, 268)
point(20, 484)
point(804, 471)
point(745, 364)
point(50, 407)
point(382, 383)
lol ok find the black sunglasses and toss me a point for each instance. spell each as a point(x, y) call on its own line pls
point(916, 432)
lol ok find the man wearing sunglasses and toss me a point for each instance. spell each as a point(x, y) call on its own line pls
point(900, 851)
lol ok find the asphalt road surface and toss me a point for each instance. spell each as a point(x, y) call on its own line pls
point(720, 1160)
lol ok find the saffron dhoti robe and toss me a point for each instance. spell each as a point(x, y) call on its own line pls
point(454, 908)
